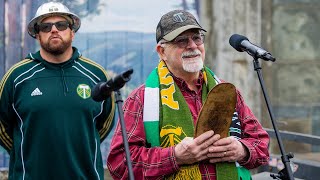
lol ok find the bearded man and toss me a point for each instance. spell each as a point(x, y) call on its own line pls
point(50, 126)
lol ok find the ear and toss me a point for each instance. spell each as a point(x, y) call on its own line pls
point(161, 52)
point(38, 37)
point(72, 34)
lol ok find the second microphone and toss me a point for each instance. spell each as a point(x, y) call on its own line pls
point(103, 89)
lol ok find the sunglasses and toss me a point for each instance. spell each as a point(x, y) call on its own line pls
point(183, 41)
point(60, 25)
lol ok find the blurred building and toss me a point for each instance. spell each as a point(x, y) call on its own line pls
point(289, 30)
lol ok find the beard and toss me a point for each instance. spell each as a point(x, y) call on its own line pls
point(55, 48)
point(192, 65)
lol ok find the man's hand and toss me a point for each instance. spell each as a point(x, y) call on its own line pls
point(228, 149)
point(190, 150)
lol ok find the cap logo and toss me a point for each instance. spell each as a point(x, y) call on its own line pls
point(179, 17)
point(51, 9)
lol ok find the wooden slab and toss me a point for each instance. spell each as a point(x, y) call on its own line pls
point(217, 111)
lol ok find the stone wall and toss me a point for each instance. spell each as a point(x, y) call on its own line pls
point(296, 92)
point(289, 30)
point(221, 19)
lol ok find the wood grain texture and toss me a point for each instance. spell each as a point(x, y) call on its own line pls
point(217, 111)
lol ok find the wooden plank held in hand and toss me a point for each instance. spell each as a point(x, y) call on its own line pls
point(217, 111)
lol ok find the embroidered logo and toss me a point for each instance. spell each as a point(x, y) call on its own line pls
point(84, 91)
point(171, 135)
point(179, 17)
point(36, 92)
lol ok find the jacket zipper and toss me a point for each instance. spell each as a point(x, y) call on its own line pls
point(65, 89)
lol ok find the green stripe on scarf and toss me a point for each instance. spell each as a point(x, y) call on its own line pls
point(151, 109)
point(167, 118)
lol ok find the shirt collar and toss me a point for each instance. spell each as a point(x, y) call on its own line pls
point(182, 84)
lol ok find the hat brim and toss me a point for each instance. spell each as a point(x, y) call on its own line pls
point(69, 16)
point(170, 36)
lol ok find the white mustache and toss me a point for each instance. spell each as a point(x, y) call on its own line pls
point(191, 53)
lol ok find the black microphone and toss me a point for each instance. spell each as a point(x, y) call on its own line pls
point(104, 89)
point(242, 43)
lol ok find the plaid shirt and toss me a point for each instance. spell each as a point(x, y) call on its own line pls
point(156, 162)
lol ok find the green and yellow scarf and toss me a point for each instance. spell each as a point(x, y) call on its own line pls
point(167, 118)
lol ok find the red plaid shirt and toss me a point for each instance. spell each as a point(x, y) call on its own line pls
point(156, 162)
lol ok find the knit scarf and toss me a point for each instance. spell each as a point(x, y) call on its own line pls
point(167, 117)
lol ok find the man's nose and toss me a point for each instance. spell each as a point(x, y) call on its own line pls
point(54, 28)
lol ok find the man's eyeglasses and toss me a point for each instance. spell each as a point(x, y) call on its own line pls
point(183, 41)
point(60, 25)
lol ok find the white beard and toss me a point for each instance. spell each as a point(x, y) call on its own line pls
point(192, 65)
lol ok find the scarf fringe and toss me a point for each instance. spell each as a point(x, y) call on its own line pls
point(187, 173)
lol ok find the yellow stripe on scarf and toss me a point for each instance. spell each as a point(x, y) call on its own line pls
point(169, 133)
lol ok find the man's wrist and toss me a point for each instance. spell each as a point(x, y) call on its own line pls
point(176, 150)
point(246, 154)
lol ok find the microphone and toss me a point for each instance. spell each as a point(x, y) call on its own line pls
point(104, 89)
point(242, 43)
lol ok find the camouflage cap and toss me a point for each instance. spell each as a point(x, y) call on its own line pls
point(174, 23)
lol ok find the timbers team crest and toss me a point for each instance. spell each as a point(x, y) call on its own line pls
point(171, 135)
point(84, 91)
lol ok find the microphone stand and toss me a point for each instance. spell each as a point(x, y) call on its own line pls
point(119, 102)
point(286, 173)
